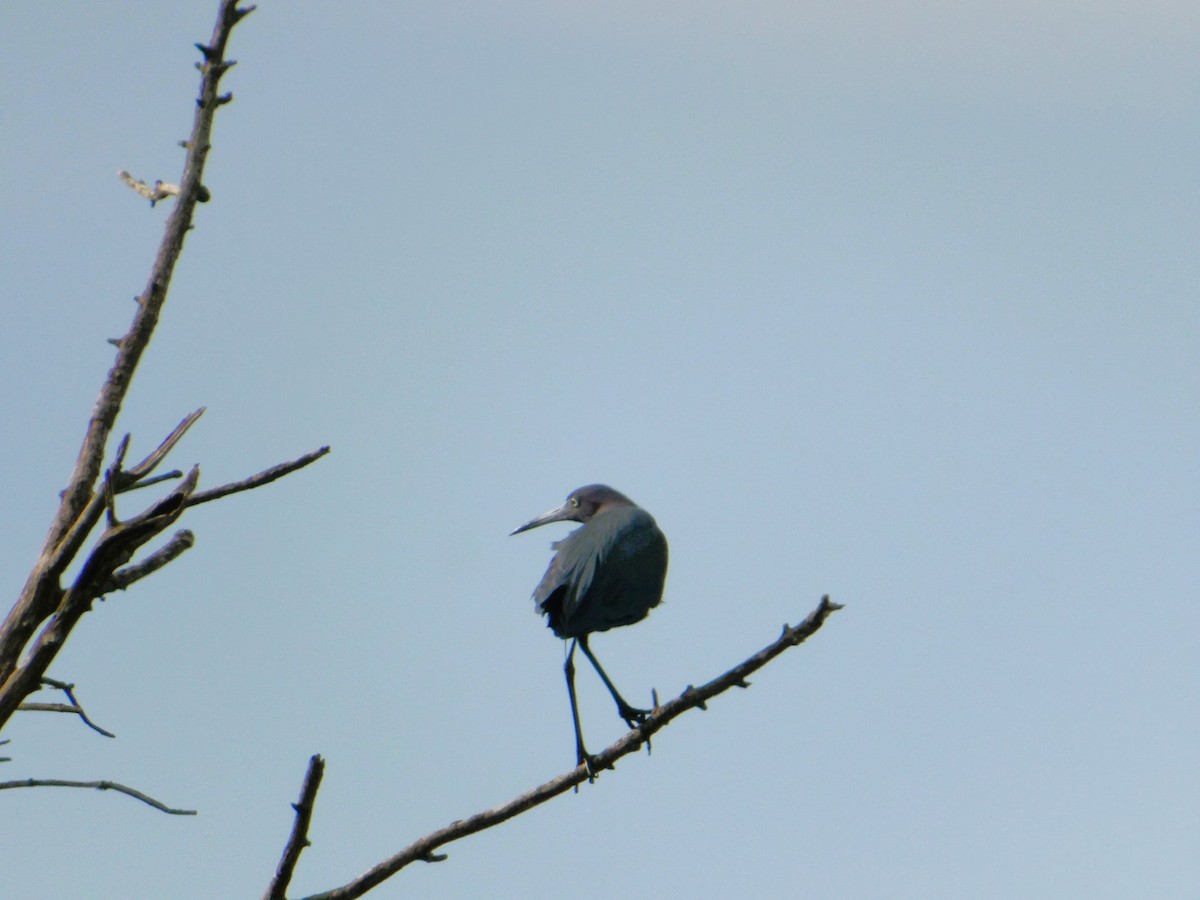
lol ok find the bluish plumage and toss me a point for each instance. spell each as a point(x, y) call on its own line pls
point(608, 572)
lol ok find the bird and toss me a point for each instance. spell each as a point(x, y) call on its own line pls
point(608, 573)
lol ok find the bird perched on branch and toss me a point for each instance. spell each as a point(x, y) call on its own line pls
point(607, 573)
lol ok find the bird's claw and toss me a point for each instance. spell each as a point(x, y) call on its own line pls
point(588, 762)
point(633, 716)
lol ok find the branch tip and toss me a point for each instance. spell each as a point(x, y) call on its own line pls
point(298, 840)
point(264, 477)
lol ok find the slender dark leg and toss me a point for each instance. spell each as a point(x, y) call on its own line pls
point(631, 714)
point(581, 755)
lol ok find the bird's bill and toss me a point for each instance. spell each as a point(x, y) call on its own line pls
point(563, 513)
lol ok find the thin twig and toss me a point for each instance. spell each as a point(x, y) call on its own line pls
point(277, 890)
point(110, 478)
point(74, 706)
point(264, 477)
point(74, 709)
point(126, 480)
point(100, 786)
point(157, 479)
point(423, 849)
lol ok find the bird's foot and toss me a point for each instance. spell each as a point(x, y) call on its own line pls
point(588, 761)
point(632, 715)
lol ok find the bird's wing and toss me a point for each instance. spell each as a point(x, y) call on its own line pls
point(608, 573)
point(570, 567)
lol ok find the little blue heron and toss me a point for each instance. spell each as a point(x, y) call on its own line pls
point(607, 573)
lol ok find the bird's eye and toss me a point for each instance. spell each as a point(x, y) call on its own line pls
point(574, 501)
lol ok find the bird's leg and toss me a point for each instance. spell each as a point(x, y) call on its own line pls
point(581, 755)
point(631, 714)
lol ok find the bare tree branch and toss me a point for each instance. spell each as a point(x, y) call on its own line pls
point(264, 477)
point(116, 547)
point(423, 849)
point(151, 302)
point(82, 505)
point(277, 890)
point(157, 479)
point(100, 786)
point(73, 706)
point(122, 578)
point(39, 623)
point(126, 480)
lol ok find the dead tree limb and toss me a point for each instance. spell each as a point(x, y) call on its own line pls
point(46, 611)
point(71, 706)
point(82, 504)
point(692, 698)
point(277, 890)
point(100, 786)
point(122, 578)
point(264, 477)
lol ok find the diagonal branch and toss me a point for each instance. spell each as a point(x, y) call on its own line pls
point(277, 890)
point(423, 849)
point(100, 786)
point(153, 298)
point(264, 477)
point(122, 578)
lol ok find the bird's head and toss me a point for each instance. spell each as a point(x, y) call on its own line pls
point(582, 505)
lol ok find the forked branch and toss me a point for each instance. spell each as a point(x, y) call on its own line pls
point(71, 706)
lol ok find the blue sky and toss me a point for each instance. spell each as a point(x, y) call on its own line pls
point(891, 302)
